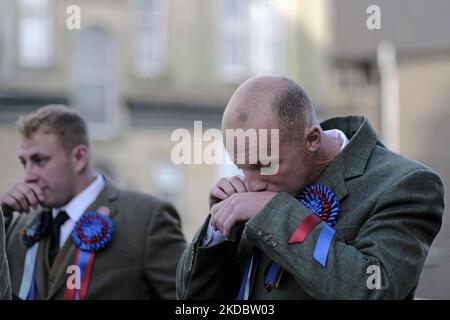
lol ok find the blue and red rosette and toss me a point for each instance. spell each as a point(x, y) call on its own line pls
point(92, 233)
point(322, 203)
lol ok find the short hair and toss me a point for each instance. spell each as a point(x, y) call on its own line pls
point(294, 110)
point(69, 127)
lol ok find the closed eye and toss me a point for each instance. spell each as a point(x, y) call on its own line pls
point(40, 160)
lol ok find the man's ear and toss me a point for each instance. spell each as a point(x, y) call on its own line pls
point(312, 138)
point(80, 157)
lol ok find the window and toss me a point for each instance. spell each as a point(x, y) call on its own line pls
point(35, 36)
point(349, 75)
point(265, 32)
point(251, 39)
point(94, 80)
point(233, 45)
point(151, 37)
point(4, 40)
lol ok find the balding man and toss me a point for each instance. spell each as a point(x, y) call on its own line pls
point(341, 218)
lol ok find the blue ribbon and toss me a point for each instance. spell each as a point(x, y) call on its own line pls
point(27, 286)
point(83, 260)
point(244, 290)
point(323, 244)
point(32, 293)
point(272, 275)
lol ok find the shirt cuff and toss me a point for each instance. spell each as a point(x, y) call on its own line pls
point(212, 237)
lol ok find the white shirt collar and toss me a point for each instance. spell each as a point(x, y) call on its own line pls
point(338, 133)
point(78, 205)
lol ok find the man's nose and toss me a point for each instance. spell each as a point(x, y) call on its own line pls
point(30, 174)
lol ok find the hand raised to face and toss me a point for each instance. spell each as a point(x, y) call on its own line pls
point(237, 208)
point(22, 198)
point(225, 188)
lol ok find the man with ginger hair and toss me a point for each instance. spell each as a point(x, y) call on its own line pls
point(71, 233)
point(343, 217)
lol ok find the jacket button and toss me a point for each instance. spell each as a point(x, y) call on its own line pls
point(274, 243)
point(260, 233)
point(268, 237)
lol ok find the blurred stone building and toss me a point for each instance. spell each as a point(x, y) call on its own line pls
point(419, 32)
point(138, 69)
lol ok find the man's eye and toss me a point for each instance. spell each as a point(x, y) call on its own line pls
point(41, 161)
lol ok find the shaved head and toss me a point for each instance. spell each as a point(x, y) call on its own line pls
point(272, 135)
point(265, 98)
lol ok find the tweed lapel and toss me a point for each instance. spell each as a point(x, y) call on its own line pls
point(352, 160)
point(58, 276)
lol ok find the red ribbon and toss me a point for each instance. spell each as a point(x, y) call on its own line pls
point(304, 228)
point(85, 263)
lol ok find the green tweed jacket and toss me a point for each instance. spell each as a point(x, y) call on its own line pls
point(139, 263)
point(391, 210)
point(5, 285)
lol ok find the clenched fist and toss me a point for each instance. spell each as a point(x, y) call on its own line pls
point(231, 204)
point(22, 198)
point(225, 188)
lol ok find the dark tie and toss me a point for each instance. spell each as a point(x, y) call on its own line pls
point(56, 224)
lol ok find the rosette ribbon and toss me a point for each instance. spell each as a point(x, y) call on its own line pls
point(321, 201)
point(32, 234)
point(248, 279)
point(92, 233)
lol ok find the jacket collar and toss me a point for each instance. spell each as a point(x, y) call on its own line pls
point(351, 162)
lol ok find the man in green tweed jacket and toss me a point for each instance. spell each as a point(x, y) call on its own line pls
point(141, 260)
point(390, 209)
